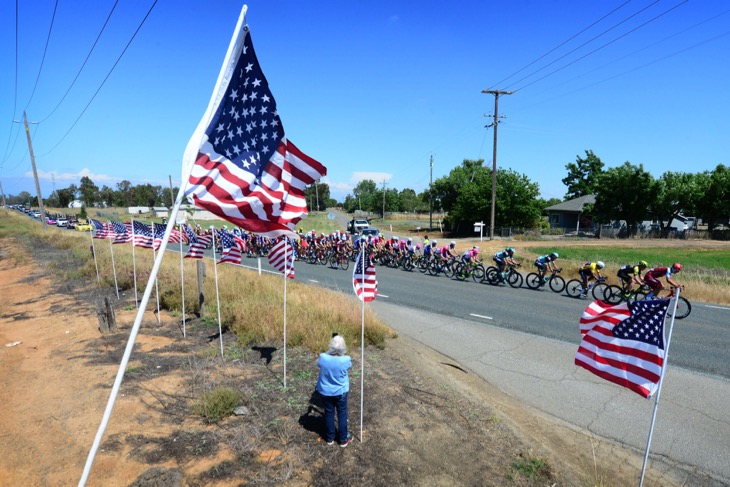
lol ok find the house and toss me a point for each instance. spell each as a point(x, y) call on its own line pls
point(75, 204)
point(569, 214)
point(138, 210)
point(160, 211)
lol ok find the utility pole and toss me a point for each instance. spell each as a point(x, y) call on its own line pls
point(172, 196)
point(3, 195)
point(494, 124)
point(383, 200)
point(316, 192)
point(35, 173)
point(430, 199)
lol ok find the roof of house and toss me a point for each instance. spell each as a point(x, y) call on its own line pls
point(575, 205)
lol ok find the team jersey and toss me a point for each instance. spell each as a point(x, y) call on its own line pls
point(659, 272)
point(630, 269)
point(427, 250)
point(590, 267)
point(501, 255)
point(445, 251)
point(544, 259)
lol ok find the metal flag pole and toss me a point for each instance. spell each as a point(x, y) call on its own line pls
point(362, 336)
point(154, 258)
point(134, 266)
point(217, 298)
point(286, 262)
point(128, 350)
point(659, 390)
point(93, 252)
point(182, 280)
point(114, 266)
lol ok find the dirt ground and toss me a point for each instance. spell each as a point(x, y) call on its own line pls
point(425, 420)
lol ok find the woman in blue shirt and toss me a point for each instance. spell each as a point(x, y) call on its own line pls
point(333, 385)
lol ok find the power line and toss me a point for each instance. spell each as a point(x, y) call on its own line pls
point(604, 45)
point(561, 44)
point(586, 43)
point(43, 59)
point(84, 63)
point(105, 79)
point(15, 96)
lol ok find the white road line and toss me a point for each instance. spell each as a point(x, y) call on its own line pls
point(383, 296)
point(717, 307)
point(313, 280)
point(480, 316)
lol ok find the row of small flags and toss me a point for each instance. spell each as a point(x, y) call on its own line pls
point(281, 254)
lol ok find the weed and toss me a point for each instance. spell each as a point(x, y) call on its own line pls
point(217, 404)
point(531, 467)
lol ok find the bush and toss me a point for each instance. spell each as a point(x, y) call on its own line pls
point(217, 404)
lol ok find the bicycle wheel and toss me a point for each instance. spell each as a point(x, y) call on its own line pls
point(533, 280)
point(613, 294)
point(684, 308)
point(449, 269)
point(422, 264)
point(573, 288)
point(557, 284)
point(598, 290)
point(637, 295)
point(492, 275)
point(515, 279)
point(478, 273)
point(434, 268)
point(460, 272)
point(344, 263)
point(407, 264)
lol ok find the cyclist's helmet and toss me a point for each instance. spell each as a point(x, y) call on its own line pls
point(395, 238)
point(600, 264)
point(433, 243)
point(676, 267)
point(510, 251)
point(410, 240)
point(554, 255)
point(475, 248)
point(418, 246)
point(643, 264)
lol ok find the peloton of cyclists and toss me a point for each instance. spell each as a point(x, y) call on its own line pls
point(588, 271)
point(546, 262)
point(651, 278)
point(502, 259)
point(630, 274)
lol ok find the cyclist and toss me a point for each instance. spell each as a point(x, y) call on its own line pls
point(651, 278)
point(430, 250)
point(502, 258)
point(448, 252)
point(546, 262)
point(588, 272)
point(470, 255)
point(630, 274)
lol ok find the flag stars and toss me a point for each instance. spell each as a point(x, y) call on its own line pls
point(249, 67)
point(234, 95)
point(256, 83)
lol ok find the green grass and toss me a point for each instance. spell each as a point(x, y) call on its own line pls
point(217, 404)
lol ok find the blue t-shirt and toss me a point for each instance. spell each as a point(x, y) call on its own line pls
point(333, 379)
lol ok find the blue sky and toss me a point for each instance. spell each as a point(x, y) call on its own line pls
point(371, 89)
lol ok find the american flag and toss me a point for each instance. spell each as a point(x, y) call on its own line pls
point(121, 235)
point(101, 230)
point(198, 243)
point(281, 256)
point(159, 234)
point(142, 235)
point(364, 283)
point(624, 343)
point(231, 251)
point(238, 164)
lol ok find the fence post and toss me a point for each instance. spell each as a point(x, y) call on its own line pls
point(201, 296)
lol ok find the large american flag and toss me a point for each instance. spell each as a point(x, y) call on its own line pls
point(142, 235)
point(101, 230)
point(238, 164)
point(281, 256)
point(231, 250)
point(198, 243)
point(624, 343)
point(122, 234)
point(364, 283)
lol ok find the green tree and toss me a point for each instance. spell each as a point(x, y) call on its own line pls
point(125, 193)
point(65, 197)
point(146, 194)
point(713, 201)
point(408, 200)
point(675, 193)
point(107, 196)
point(318, 193)
point(624, 193)
point(583, 175)
point(365, 194)
point(88, 191)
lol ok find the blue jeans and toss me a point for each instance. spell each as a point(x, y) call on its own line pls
point(330, 404)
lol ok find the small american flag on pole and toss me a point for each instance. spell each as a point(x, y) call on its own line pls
point(238, 164)
point(121, 235)
point(364, 283)
point(281, 256)
point(198, 244)
point(102, 230)
point(159, 234)
point(624, 343)
point(142, 235)
point(231, 251)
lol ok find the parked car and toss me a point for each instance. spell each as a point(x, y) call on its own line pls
point(61, 222)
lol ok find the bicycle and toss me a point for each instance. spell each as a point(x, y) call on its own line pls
point(339, 260)
point(471, 268)
point(511, 276)
point(574, 288)
point(554, 282)
point(684, 307)
point(614, 294)
point(441, 265)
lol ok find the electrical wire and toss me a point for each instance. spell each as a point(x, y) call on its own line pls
point(43, 59)
point(15, 96)
point(105, 79)
point(561, 44)
point(604, 45)
point(84, 63)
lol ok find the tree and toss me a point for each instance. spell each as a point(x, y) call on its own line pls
point(125, 193)
point(713, 202)
point(583, 175)
point(88, 191)
point(65, 196)
point(675, 192)
point(364, 195)
point(107, 196)
point(318, 193)
point(544, 204)
point(624, 193)
point(408, 200)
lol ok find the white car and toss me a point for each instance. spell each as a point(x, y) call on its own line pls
point(62, 222)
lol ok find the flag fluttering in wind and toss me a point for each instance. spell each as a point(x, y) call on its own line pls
point(624, 343)
point(231, 250)
point(198, 244)
point(281, 256)
point(158, 234)
point(122, 234)
point(239, 164)
point(364, 282)
point(102, 230)
point(142, 235)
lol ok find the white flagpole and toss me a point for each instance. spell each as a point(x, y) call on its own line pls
point(659, 390)
point(286, 262)
point(134, 267)
point(154, 258)
point(92, 230)
point(128, 350)
point(114, 266)
point(362, 337)
point(217, 298)
point(182, 279)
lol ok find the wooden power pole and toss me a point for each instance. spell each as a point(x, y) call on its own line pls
point(35, 174)
point(494, 124)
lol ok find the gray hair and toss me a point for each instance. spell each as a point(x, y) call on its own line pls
point(337, 346)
